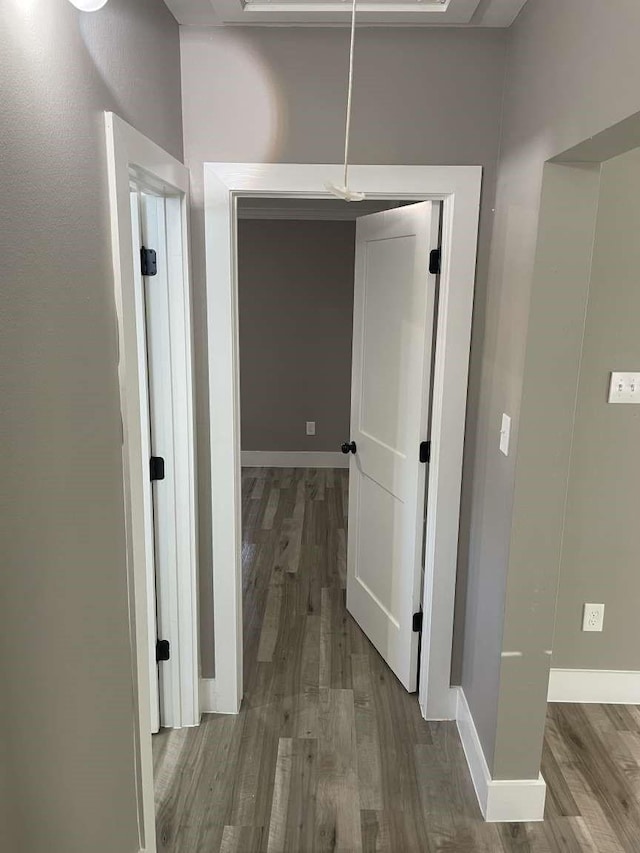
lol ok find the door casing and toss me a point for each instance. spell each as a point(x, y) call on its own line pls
point(131, 157)
point(458, 188)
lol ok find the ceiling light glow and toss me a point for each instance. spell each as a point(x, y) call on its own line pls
point(88, 5)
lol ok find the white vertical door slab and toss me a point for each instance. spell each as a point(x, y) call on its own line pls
point(161, 407)
point(391, 375)
point(171, 419)
point(179, 313)
point(146, 453)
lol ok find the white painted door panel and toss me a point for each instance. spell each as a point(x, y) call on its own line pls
point(391, 375)
point(146, 453)
point(161, 412)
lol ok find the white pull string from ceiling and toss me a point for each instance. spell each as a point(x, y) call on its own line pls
point(344, 192)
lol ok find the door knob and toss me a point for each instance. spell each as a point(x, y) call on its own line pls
point(349, 447)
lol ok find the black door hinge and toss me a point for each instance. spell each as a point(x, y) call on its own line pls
point(435, 257)
point(148, 261)
point(425, 451)
point(163, 650)
point(416, 623)
point(156, 468)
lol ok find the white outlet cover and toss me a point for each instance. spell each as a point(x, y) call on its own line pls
point(311, 427)
point(505, 434)
point(624, 388)
point(593, 617)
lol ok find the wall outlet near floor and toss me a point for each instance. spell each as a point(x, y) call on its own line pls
point(593, 617)
point(311, 427)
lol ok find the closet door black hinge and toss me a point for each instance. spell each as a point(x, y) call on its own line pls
point(425, 451)
point(156, 468)
point(416, 623)
point(163, 650)
point(148, 261)
point(435, 257)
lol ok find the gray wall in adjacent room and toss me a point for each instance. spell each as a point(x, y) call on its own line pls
point(65, 656)
point(422, 96)
point(564, 85)
point(295, 282)
point(601, 547)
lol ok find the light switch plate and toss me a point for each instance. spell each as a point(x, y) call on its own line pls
point(505, 434)
point(624, 388)
point(311, 427)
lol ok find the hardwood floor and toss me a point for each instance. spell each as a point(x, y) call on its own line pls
point(329, 753)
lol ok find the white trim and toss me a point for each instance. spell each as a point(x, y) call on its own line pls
point(447, 705)
point(130, 154)
point(458, 187)
point(601, 686)
point(198, 13)
point(501, 801)
point(212, 701)
point(208, 696)
point(293, 459)
point(201, 13)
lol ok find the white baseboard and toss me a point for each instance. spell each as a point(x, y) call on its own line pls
point(501, 801)
point(211, 702)
point(445, 708)
point(293, 459)
point(602, 686)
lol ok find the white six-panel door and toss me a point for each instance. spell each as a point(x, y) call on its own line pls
point(392, 348)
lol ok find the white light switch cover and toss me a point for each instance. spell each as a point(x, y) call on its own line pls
point(624, 388)
point(505, 434)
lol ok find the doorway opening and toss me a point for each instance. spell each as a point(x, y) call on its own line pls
point(317, 282)
point(149, 201)
point(226, 185)
point(575, 513)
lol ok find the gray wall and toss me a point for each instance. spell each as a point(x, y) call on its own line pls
point(8, 839)
point(296, 315)
point(64, 641)
point(572, 71)
point(601, 550)
point(278, 95)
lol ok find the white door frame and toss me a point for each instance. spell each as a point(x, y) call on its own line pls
point(458, 187)
point(131, 156)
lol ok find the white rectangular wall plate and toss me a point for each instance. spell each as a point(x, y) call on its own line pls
point(593, 617)
point(505, 434)
point(624, 388)
point(311, 427)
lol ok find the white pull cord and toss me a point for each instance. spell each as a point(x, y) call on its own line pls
point(344, 192)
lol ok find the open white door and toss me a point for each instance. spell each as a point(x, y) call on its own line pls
point(393, 325)
point(145, 440)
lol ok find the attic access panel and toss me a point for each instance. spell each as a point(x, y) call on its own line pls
point(425, 12)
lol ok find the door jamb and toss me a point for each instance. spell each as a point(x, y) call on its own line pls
point(458, 187)
point(130, 154)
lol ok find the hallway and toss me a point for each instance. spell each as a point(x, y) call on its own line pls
point(329, 752)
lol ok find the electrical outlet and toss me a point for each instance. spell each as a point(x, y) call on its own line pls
point(593, 617)
point(311, 427)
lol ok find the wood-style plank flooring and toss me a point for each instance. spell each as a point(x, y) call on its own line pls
point(329, 753)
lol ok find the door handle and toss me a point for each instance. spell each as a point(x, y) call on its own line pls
point(349, 447)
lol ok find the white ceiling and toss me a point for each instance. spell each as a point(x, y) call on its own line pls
point(482, 13)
